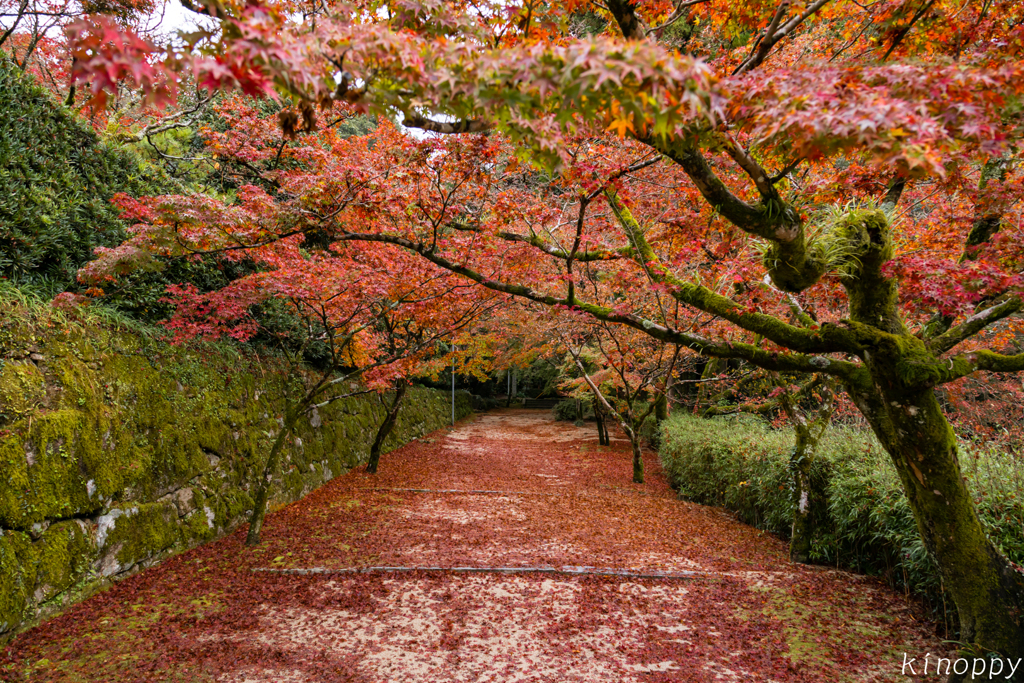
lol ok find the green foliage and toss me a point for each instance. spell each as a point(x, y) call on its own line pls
point(650, 431)
point(358, 125)
point(57, 181)
point(540, 378)
point(865, 522)
point(565, 410)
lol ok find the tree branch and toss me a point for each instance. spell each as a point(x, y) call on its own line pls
point(702, 298)
point(773, 34)
point(827, 340)
point(792, 265)
point(676, 15)
point(445, 127)
point(974, 324)
point(950, 369)
point(767, 406)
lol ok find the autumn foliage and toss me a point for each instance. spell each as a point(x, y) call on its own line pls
point(815, 188)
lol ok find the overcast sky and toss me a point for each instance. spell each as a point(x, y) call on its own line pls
point(171, 16)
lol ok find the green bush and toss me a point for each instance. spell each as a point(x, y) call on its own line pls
point(484, 403)
point(650, 431)
point(565, 410)
point(864, 521)
point(57, 180)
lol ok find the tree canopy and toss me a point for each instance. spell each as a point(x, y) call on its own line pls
point(823, 187)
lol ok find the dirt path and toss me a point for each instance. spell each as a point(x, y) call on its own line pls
point(508, 490)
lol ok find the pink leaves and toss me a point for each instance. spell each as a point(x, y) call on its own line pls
point(907, 115)
point(105, 54)
point(946, 286)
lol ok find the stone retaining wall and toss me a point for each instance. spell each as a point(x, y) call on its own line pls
point(117, 449)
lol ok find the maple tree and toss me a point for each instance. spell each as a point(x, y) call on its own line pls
point(627, 374)
point(650, 128)
point(372, 315)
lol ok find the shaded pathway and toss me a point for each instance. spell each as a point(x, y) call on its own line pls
point(510, 489)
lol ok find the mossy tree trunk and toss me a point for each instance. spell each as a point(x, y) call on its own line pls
point(386, 426)
point(602, 425)
point(809, 426)
point(712, 368)
point(661, 406)
point(894, 389)
point(802, 532)
point(638, 459)
point(987, 590)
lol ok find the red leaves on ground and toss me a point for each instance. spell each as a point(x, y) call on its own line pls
point(558, 499)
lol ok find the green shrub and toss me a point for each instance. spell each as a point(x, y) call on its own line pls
point(484, 403)
point(565, 410)
point(650, 431)
point(864, 521)
point(57, 180)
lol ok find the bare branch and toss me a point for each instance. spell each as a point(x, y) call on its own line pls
point(676, 15)
point(902, 33)
point(167, 123)
point(773, 34)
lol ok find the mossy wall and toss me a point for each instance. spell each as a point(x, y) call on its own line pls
point(116, 449)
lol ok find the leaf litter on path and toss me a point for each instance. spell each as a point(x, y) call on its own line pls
point(511, 488)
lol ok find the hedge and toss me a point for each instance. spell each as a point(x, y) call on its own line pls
point(864, 521)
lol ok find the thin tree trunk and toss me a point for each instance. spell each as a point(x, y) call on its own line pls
point(602, 426)
point(713, 367)
point(634, 436)
point(638, 460)
point(803, 513)
point(805, 448)
point(259, 510)
point(386, 426)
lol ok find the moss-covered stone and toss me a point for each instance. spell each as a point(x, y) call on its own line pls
point(22, 389)
point(17, 577)
point(119, 449)
point(136, 534)
point(64, 553)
